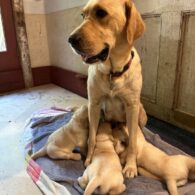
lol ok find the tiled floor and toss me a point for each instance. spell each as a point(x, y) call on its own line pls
point(15, 109)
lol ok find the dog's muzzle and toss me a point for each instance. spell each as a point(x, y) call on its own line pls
point(102, 56)
point(75, 42)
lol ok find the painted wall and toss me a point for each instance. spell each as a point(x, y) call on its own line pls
point(37, 32)
point(48, 27)
point(49, 6)
point(59, 26)
point(37, 39)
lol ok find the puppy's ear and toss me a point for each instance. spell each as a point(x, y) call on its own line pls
point(135, 23)
point(118, 146)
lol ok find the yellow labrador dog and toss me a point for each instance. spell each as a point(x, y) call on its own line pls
point(174, 170)
point(105, 171)
point(105, 38)
point(61, 143)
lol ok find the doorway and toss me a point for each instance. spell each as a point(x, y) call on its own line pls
point(11, 76)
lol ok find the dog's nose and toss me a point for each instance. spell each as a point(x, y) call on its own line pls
point(74, 40)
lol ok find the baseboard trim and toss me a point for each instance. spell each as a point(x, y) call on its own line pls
point(67, 79)
point(41, 75)
point(11, 80)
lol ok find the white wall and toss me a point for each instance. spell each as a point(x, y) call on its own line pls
point(49, 23)
point(36, 28)
point(49, 6)
point(59, 5)
point(34, 6)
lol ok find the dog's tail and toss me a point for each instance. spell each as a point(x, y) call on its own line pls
point(191, 175)
point(92, 185)
point(40, 153)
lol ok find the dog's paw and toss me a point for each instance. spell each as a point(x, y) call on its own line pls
point(130, 171)
point(81, 182)
point(87, 162)
point(77, 156)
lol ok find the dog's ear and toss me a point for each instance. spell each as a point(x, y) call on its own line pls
point(118, 146)
point(135, 24)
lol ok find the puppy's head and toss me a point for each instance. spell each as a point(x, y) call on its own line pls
point(104, 132)
point(105, 22)
point(120, 135)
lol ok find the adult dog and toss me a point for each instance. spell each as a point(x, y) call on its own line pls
point(105, 38)
point(105, 171)
point(174, 170)
point(61, 143)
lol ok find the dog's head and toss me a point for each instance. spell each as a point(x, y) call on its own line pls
point(120, 134)
point(106, 25)
point(104, 132)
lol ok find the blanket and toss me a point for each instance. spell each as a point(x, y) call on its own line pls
point(55, 177)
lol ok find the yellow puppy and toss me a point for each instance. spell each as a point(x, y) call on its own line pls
point(105, 170)
point(152, 162)
point(61, 143)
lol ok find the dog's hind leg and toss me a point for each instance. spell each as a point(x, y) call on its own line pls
point(142, 117)
point(191, 175)
point(146, 173)
point(172, 187)
point(58, 153)
point(40, 153)
point(73, 156)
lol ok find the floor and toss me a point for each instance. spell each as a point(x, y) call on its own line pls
point(15, 110)
point(176, 136)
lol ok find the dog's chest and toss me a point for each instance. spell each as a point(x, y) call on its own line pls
point(111, 87)
point(112, 104)
point(113, 109)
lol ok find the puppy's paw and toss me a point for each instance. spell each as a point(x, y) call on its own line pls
point(81, 182)
point(130, 170)
point(87, 162)
point(77, 156)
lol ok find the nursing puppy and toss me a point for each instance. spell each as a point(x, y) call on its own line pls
point(105, 172)
point(61, 143)
point(105, 38)
point(152, 162)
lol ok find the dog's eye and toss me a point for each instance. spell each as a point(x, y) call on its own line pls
point(100, 13)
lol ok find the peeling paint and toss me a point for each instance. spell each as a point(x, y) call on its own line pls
point(22, 42)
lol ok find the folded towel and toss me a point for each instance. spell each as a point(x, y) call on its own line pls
point(65, 172)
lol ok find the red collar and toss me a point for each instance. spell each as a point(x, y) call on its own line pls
point(126, 67)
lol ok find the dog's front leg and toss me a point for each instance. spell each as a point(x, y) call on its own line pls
point(94, 117)
point(132, 113)
point(172, 187)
